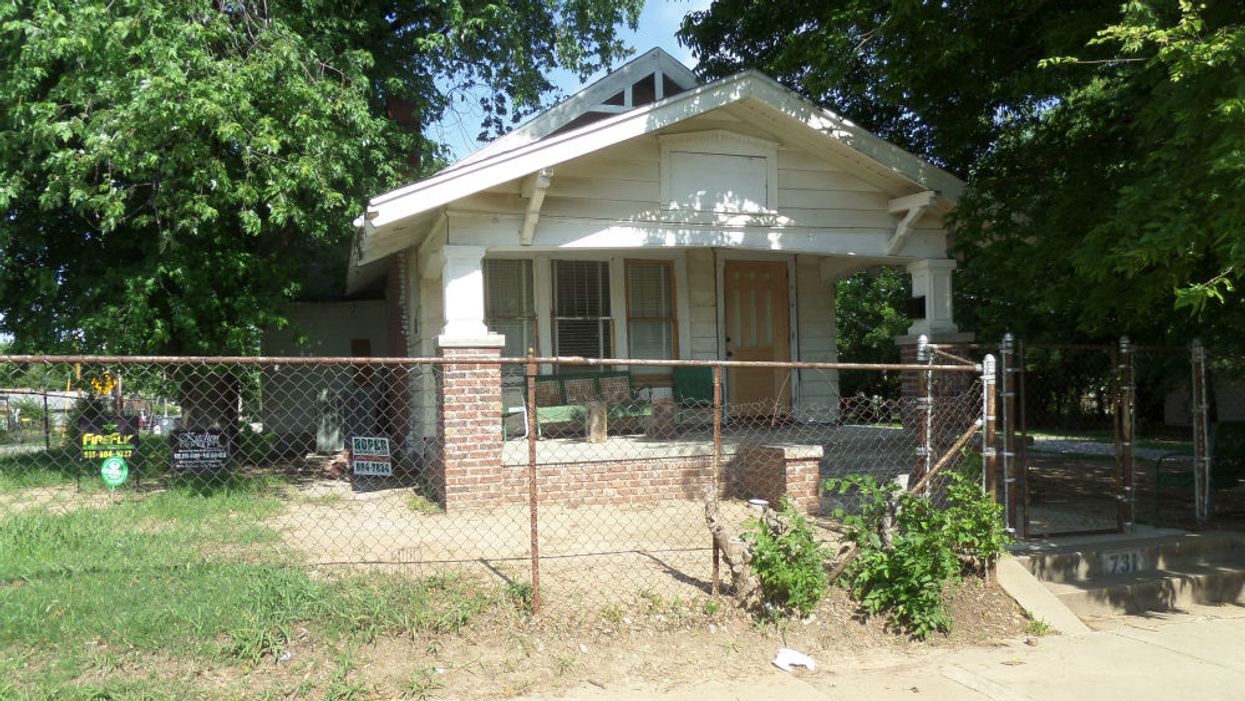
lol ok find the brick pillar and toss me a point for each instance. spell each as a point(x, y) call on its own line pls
point(469, 437)
point(772, 472)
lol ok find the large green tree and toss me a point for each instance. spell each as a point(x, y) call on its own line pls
point(171, 171)
point(1102, 141)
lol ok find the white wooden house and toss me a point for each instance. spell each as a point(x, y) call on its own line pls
point(651, 216)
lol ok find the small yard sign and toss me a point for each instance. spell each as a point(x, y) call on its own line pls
point(108, 437)
point(199, 450)
point(114, 472)
point(369, 457)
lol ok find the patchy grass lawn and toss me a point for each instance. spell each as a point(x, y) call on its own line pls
point(187, 592)
point(184, 578)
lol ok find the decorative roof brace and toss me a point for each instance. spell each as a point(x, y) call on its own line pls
point(914, 206)
point(534, 187)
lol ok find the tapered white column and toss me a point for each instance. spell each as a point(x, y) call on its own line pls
point(931, 279)
point(462, 283)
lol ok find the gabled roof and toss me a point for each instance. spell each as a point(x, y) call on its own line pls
point(553, 138)
point(649, 77)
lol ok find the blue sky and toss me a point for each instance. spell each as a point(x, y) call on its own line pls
point(658, 23)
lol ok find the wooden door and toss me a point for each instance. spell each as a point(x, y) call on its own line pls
point(757, 328)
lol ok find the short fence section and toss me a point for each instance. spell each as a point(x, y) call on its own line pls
point(1072, 424)
point(586, 480)
point(1098, 438)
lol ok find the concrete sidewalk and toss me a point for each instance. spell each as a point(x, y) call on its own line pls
point(1198, 655)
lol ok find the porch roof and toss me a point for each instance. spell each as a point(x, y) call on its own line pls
point(394, 217)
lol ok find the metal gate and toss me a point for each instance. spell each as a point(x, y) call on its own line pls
point(1073, 425)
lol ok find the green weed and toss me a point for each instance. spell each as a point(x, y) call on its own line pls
point(790, 565)
point(340, 686)
point(1038, 627)
point(421, 684)
point(653, 601)
point(422, 503)
point(564, 664)
point(520, 594)
point(612, 614)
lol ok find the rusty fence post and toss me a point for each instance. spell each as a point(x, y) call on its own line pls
point(1007, 418)
point(1201, 437)
point(47, 428)
point(989, 427)
point(716, 474)
point(1128, 398)
point(925, 409)
point(533, 424)
point(1022, 427)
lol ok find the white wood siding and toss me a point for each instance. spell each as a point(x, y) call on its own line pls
point(702, 304)
point(617, 190)
point(818, 389)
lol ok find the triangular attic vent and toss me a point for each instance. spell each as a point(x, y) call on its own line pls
point(648, 78)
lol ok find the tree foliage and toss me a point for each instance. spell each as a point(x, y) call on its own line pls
point(1102, 142)
point(171, 172)
point(869, 313)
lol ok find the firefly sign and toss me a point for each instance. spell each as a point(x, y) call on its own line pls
point(108, 437)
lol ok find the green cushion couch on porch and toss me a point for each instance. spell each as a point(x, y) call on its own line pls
point(561, 398)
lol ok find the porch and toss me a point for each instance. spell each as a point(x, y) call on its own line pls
point(840, 448)
point(756, 457)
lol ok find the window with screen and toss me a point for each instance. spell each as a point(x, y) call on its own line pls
point(581, 309)
point(510, 305)
point(651, 325)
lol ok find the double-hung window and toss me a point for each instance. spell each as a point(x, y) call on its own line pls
point(581, 318)
point(651, 329)
point(509, 304)
point(581, 309)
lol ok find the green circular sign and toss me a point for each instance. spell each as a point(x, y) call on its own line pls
point(114, 472)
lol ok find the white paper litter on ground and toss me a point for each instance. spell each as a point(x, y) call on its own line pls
point(788, 658)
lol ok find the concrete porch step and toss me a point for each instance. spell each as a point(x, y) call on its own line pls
point(1088, 561)
point(1172, 588)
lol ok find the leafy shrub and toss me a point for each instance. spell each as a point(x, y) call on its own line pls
point(929, 547)
point(790, 564)
point(974, 520)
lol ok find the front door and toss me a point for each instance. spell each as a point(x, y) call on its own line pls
point(757, 328)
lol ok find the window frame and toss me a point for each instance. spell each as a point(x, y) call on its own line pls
point(660, 373)
point(608, 291)
point(534, 310)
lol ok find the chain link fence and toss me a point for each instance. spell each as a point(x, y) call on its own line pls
point(1221, 403)
point(1070, 434)
point(584, 480)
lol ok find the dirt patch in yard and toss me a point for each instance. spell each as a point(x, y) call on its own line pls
point(589, 554)
point(650, 643)
point(653, 643)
